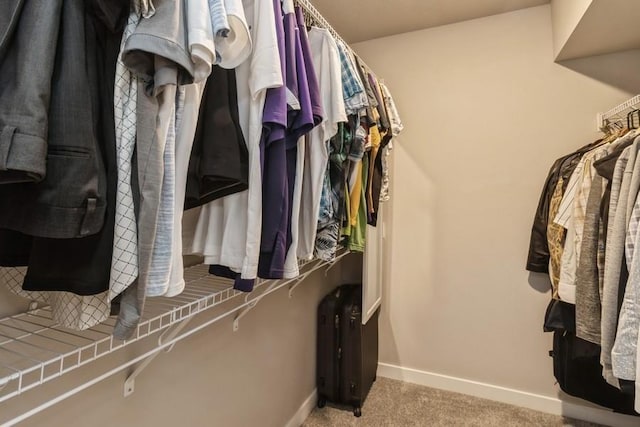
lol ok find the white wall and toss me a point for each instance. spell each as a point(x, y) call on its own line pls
point(584, 28)
point(486, 112)
point(566, 16)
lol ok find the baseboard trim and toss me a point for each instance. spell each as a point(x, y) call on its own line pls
point(304, 411)
point(524, 399)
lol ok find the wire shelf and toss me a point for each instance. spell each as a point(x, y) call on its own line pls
point(618, 111)
point(34, 349)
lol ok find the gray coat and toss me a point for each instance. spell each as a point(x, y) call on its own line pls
point(615, 255)
point(51, 164)
point(624, 351)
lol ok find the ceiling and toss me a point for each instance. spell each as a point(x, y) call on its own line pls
point(360, 20)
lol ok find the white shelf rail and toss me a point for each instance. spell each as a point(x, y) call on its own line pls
point(618, 112)
point(35, 350)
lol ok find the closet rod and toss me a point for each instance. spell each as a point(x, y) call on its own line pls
point(602, 118)
point(319, 19)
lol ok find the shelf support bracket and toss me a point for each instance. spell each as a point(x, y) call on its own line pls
point(251, 306)
point(335, 261)
point(295, 284)
point(298, 281)
point(247, 309)
point(168, 335)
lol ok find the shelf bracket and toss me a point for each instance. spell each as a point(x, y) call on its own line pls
point(247, 309)
point(295, 284)
point(334, 262)
point(305, 275)
point(298, 280)
point(252, 304)
point(319, 264)
point(168, 335)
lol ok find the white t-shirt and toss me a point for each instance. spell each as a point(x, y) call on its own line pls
point(235, 48)
point(291, 269)
point(228, 229)
point(200, 38)
point(326, 60)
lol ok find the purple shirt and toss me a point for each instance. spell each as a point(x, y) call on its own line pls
point(274, 119)
point(276, 205)
point(312, 79)
point(297, 81)
point(280, 146)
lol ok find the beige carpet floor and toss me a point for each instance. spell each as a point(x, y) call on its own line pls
point(394, 403)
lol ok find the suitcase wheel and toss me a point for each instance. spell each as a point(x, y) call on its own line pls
point(357, 412)
point(322, 402)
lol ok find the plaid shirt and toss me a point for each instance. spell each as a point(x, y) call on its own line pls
point(351, 85)
point(353, 93)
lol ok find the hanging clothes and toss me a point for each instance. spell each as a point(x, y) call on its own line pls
point(304, 113)
point(396, 129)
point(332, 207)
point(276, 204)
point(228, 230)
point(158, 71)
point(584, 235)
point(327, 66)
point(187, 112)
point(70, 200)
point(130, 123)
point(234, 47)
point(31, 35)
point(219, 163)
point(165, 278)
point(76, 287)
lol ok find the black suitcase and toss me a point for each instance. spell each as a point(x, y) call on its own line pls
point(328, 345)
point(347, 349)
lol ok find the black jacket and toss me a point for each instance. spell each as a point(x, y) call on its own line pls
point(538, 258)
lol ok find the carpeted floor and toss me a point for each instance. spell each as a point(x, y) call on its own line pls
point(395, 403)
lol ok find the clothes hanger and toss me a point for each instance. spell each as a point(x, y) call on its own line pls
point(288, 6)
point(612, 129)
point(308, 21)
point(631, 122)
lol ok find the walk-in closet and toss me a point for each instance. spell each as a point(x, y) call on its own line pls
point(319, 213)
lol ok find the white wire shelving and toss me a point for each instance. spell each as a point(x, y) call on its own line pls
point(617, 112)
point(35, 350)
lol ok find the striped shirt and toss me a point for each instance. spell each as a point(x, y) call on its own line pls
point(571, 215)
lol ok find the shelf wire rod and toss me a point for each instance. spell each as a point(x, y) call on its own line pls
point(40, 335)
point(26, 343)
point(70, 332)
point(25, 357)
